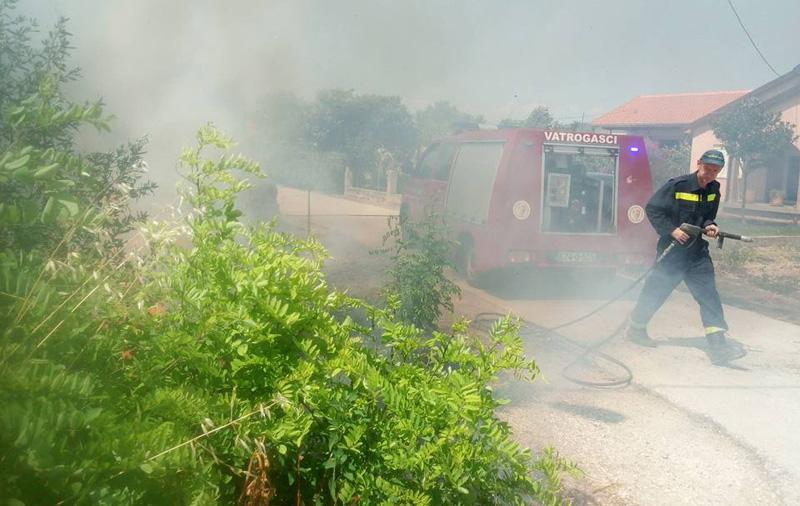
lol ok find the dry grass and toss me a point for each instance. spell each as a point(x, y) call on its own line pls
point(773, 265)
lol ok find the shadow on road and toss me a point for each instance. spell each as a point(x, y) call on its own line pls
point(702, 344)
point(590, 412)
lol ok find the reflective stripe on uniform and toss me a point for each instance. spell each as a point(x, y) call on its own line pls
point(687, 196)
point(711, 330)
point(692, 197)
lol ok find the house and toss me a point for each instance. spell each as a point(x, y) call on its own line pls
point(772, 187)
point(664, 119)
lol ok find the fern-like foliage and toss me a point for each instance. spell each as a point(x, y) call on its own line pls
point(160, 376)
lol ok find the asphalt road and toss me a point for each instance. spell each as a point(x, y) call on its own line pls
point(683, 432)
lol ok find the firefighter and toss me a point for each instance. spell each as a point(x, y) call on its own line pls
point(693, 199)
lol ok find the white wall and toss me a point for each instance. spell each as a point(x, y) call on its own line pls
point(704, 139)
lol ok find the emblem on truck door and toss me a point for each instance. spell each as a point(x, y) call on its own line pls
point(522, 210)
point(635, 214)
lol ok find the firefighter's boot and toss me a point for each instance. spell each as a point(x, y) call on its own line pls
point(637, 334)
point(722, 350)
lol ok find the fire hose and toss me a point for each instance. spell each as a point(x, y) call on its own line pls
point(694, 233)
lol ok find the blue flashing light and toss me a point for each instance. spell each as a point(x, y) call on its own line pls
point(634, 149)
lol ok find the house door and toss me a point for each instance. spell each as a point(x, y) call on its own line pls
point(792, 179)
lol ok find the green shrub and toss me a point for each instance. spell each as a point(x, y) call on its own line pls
point(49, 190)
point(214, 364)
point(418, 289)
point(237, 346)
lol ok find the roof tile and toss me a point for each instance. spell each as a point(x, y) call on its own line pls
point(673, 109)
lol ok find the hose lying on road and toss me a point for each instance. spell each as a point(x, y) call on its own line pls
point(592, 350)
point(567, 372)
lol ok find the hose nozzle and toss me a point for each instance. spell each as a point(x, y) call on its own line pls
point(721, 236)
point(694, 232)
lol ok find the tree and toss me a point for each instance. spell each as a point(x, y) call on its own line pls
point(510, 123)
point(752, 135)
point(23, 65)
point(282, 118)
point(47, 187)
point(310, 144)
point(539, 117)
point(668, 162)
point(441, 119)
point(358, 126)
point(573, 126)
point(281, 139)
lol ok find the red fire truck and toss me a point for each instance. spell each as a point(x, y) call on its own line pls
point(544, 198)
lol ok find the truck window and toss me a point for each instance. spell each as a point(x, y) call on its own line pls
point(579, 189)
point(436, 161)
point(472, 180)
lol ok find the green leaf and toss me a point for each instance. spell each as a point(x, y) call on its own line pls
point(22, 173)
point(19, 162)
point(147, 468)
point(70, 206)
point(47, 212)
point(282, 449)
point(45, 171)
point(13, 214)
point(64, 184)
point(92, 414)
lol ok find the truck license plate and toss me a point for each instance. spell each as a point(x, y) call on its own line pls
point(575, 257)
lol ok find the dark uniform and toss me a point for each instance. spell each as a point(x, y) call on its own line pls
point(682, 200)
